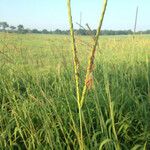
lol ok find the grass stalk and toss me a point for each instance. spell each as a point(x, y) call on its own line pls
point(92, 55)
point(76, 69)
point(90, 64)
point(75, 57)
point(111, 111)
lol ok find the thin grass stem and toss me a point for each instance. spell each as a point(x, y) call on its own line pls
point(92, 56)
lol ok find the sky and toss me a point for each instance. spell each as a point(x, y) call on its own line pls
point(52, 14)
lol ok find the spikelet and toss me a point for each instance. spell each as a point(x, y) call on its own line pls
point(89, 81)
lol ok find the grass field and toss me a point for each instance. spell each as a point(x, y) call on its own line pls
point(38, 99)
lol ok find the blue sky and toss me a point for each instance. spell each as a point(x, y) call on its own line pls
point(52, 14)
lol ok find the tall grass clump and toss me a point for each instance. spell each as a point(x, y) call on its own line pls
point(88, 77)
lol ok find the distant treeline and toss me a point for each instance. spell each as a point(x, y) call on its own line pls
point(5, 27)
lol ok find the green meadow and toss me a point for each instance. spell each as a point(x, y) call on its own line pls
point(39, 108)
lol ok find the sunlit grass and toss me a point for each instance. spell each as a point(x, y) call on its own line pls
point(38, 99)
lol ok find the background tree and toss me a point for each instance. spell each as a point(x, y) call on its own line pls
point(12, 28)
point(45, 31)
point(35, 31)
point(4, 25)
point(57, 31)
point(20, 28)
